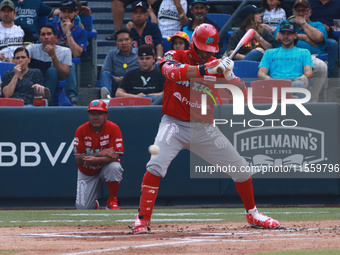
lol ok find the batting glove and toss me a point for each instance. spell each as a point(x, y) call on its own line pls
point(212, 67)
point(229, 74)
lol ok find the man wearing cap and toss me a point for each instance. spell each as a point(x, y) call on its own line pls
point(262, 40)
point(11, 36)
point(184, 126)
point(69, 34)
point(73, 37)
point(117, 63)
point(199, 10)
point(288, 61)
point(143, 31)
point(145, 81)
point(118, 11)
point(28, 12)
point(312, 36)
point(98, 144)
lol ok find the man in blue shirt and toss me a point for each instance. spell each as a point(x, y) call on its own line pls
point(143, 31)
point(288, 61)
point(312, 36)
point(117, 63)
point(325, 11)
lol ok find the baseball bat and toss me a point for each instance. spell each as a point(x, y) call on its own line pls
point(244, 40)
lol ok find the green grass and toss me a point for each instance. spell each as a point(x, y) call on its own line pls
point(15, 218)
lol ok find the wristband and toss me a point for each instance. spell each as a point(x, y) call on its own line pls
point(201, 70)
point(181, 15)
point(68, 34)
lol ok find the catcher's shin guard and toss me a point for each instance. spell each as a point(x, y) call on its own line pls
point(150, 186)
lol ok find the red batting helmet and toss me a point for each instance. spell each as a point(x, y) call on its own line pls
point(205, 37)
point(97, 105)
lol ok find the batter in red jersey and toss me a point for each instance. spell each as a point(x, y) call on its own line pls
point(183, 127)
point(98, 144)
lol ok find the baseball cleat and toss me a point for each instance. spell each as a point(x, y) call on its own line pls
point(112, 205)
point(256, 219)
point(140, 226)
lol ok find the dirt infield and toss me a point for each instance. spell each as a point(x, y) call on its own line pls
point(198, 238)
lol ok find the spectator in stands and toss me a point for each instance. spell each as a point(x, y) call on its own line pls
point(262, 40)
point(83, 9)
point(11, 36)
point(273, 14)
point(199, 10)
point(117, 63)
point(74, 37)
point(145, 81)
point(28, 11)
point(21, 82)
point(287, 61)
point(325, 11)
point(143, 31)
point(171, 16)
point(312, 36)
point(180, 41)
point(118, 11)
point(53, 60)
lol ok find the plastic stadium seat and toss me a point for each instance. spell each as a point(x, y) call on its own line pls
point(60, 98)
point(221, 19)
point(263, 89)
point(246, 70)
point(5, 66)
point(11, 102)
point(130, 101)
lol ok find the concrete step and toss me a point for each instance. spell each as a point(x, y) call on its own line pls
point(86, 95)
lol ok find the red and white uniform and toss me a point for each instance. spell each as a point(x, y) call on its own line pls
point(180, 100)
point(88, 141)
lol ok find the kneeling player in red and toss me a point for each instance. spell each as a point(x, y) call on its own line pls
point(180, 118)
point(98, 144)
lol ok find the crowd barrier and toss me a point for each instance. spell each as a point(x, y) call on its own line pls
point(38, 169)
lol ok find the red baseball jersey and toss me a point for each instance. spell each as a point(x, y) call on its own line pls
point(182, 101)
point(88, 142)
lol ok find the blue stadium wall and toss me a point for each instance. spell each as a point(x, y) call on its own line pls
point(38, 169)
